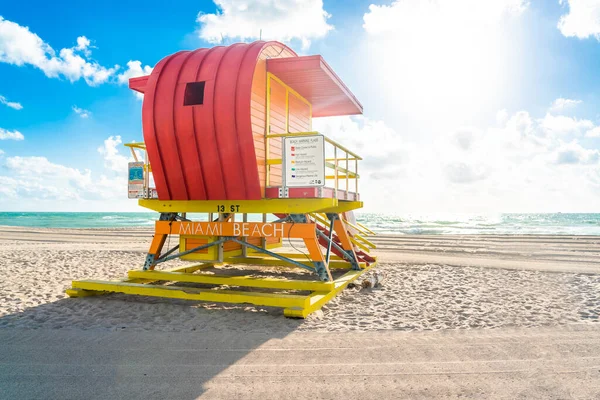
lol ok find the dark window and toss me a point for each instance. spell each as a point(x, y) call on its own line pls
point(194, 93)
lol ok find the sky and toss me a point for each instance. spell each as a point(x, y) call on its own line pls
point(469, 106)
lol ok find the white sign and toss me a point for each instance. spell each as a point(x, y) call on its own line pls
point(304, 161)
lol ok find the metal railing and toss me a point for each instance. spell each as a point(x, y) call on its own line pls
point(341, 165)
point(147, 190)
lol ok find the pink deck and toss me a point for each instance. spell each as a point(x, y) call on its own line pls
point(311, 193)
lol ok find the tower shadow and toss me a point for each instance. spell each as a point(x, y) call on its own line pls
point(119, 346)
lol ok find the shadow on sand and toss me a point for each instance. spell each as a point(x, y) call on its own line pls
point(117, 346)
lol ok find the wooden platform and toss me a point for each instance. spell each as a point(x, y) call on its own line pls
point(289, 294)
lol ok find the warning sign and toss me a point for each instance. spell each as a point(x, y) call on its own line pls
point(136, 180)
point(304, 161)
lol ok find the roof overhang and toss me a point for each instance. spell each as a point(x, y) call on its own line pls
point(314, 80)
point(139, 84)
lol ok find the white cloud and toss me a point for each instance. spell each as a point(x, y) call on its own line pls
point(517, 164)
point(20, 189)
point(594, 132)
point(464, 138)
point(113, 160)
point(38, 178)
point(36, 183)
point(460, 172)
point(561, 104)
point(582, 20)
point(283, 20)
point(19, 46)
point(563, 125)
point(11, 104)
point(574, 153)
point(423, 16)
point(10, 135)
point(365, 137)
point(439, 58)
point(81, 112)
point(134, 69)
point(83, 44)
point(32, 178)
point(1, 152)
point(40, 166)
point(502, 117)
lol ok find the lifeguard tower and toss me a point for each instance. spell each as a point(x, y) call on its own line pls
point(233, 166)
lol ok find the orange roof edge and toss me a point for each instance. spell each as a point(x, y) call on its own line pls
point(316, 81)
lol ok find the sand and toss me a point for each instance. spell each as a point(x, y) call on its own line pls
point(457, 316)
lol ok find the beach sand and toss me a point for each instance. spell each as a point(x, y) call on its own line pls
point(456, 316)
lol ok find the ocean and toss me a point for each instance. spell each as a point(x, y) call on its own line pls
point(540, 224)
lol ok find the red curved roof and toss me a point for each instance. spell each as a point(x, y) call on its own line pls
point(202, 152)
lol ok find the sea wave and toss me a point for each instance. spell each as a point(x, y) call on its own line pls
point(407, 224)
point(540, 224)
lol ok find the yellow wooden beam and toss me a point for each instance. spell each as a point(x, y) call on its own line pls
point(71, 292)
point(333, 264)
point(319, 299)
point(356, 239)
point(187, 293)
point(328, 140)
point(365, 228)
point(351, 174)
point(82, 293)
point(284, 206)
point(366, 242)
point(343, 158)
point(136, 145)
point(242, 281)
point(295, 306)
point(289, 89)
point(302, 257)
point(359, 244)
point(343, 206)
point(320, 218)
point(332, 177)
point(358, 227)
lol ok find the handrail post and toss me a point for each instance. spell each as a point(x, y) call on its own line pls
point(287, 111)
point(347, 176)
point(268, 131)
point(146, 176)
point(356, 176)
point(335, 173)
point(244, 238)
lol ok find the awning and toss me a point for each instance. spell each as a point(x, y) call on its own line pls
point(314, 80)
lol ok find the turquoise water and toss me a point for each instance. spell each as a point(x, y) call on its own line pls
point(539, 224)
point(77, 220)
point(551, 224)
